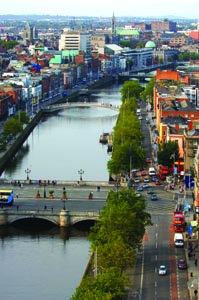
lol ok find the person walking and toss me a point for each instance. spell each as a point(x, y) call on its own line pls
point(195, 292)
point(196, 262)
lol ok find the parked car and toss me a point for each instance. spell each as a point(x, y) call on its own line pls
point(154, 197)
point(146, 179)
point(162, 270)
point(139, 189)
point(182, 264)
point(148, 160)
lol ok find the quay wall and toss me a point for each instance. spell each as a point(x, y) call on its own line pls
point(18, 142)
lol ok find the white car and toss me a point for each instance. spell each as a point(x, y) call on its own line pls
point(162, 270)
point(136, 180)
point(146, 179)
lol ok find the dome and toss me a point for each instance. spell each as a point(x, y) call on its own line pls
point(150, 44)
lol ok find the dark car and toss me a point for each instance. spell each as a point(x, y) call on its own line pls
point(150, 191)
point(154, 197)
point(182, 264)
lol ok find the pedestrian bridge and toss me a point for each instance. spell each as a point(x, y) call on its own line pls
point(67, 105)
point(62, 218)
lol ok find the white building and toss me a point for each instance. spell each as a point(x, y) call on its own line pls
point(75, 40)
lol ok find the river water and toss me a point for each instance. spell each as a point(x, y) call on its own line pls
point(48, 265)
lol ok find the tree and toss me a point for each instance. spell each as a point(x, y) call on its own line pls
point(131, 89)
point(124, 216)
point(108, 285)
point(148, 91)
point(165, 152)
point(12, 127)
point(22, 117)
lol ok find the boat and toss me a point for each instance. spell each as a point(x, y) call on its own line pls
point(104, 138)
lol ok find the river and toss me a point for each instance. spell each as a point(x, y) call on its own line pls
point(48, 265)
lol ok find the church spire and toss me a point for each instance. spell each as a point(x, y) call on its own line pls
point(113, 28)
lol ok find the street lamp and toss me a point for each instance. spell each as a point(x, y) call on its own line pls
point(81, 172)
point(173, 156)
point(27, 171)
point(44, 189)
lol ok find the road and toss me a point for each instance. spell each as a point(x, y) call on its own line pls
point(77, 197)
point(158, 245)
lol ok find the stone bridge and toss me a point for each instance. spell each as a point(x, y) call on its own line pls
point(63, 218)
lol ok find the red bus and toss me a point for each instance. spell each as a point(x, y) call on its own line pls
point(163, 171)
point(178, 218)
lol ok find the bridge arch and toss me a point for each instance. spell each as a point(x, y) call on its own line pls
point(33, 218)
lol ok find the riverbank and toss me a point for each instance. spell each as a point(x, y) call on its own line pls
point(15, 145)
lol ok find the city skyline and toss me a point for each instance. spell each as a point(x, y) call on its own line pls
point(144, 8)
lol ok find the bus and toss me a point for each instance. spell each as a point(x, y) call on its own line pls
point(6, 197)
point(163, 171)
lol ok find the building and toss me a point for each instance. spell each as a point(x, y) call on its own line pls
point(165, 25)
point(191, 143)
point(75, 40)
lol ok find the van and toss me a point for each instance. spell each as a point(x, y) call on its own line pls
point(151, 171)
point(179, 240)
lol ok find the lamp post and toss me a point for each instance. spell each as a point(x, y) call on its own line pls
point(174, 159)
point(44, 189)
point(27, 171)
point(81, 172)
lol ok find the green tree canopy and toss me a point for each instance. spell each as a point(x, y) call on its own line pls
point(108, 285)
point(22, 117)
point(148, 91)
point(131, 89)
point(166, 153)
point(12, 127)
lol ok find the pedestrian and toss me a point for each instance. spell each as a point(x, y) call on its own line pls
point(17, 207)
point(195, 292)
point(196, 262)
point(52, 209)
point(17, 196)
point(45, 207)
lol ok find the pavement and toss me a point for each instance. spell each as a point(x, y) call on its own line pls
point(193, 263)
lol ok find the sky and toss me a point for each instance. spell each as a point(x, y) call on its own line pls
point(103, 8)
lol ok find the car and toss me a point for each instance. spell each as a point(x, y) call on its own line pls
point(146, 179)
point(157, 182)
point(154, 197)
point(137, 195)
point(162, 270)
point(148, 160)
point(182, 264)
point(143, 172)
point(139, 189)
point(150, 191)
point(154, 179)
point(138, 111)
point(136, 180)
point(145, 186)
point(140, 117)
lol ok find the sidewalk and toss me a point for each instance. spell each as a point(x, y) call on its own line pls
point(193, 262)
